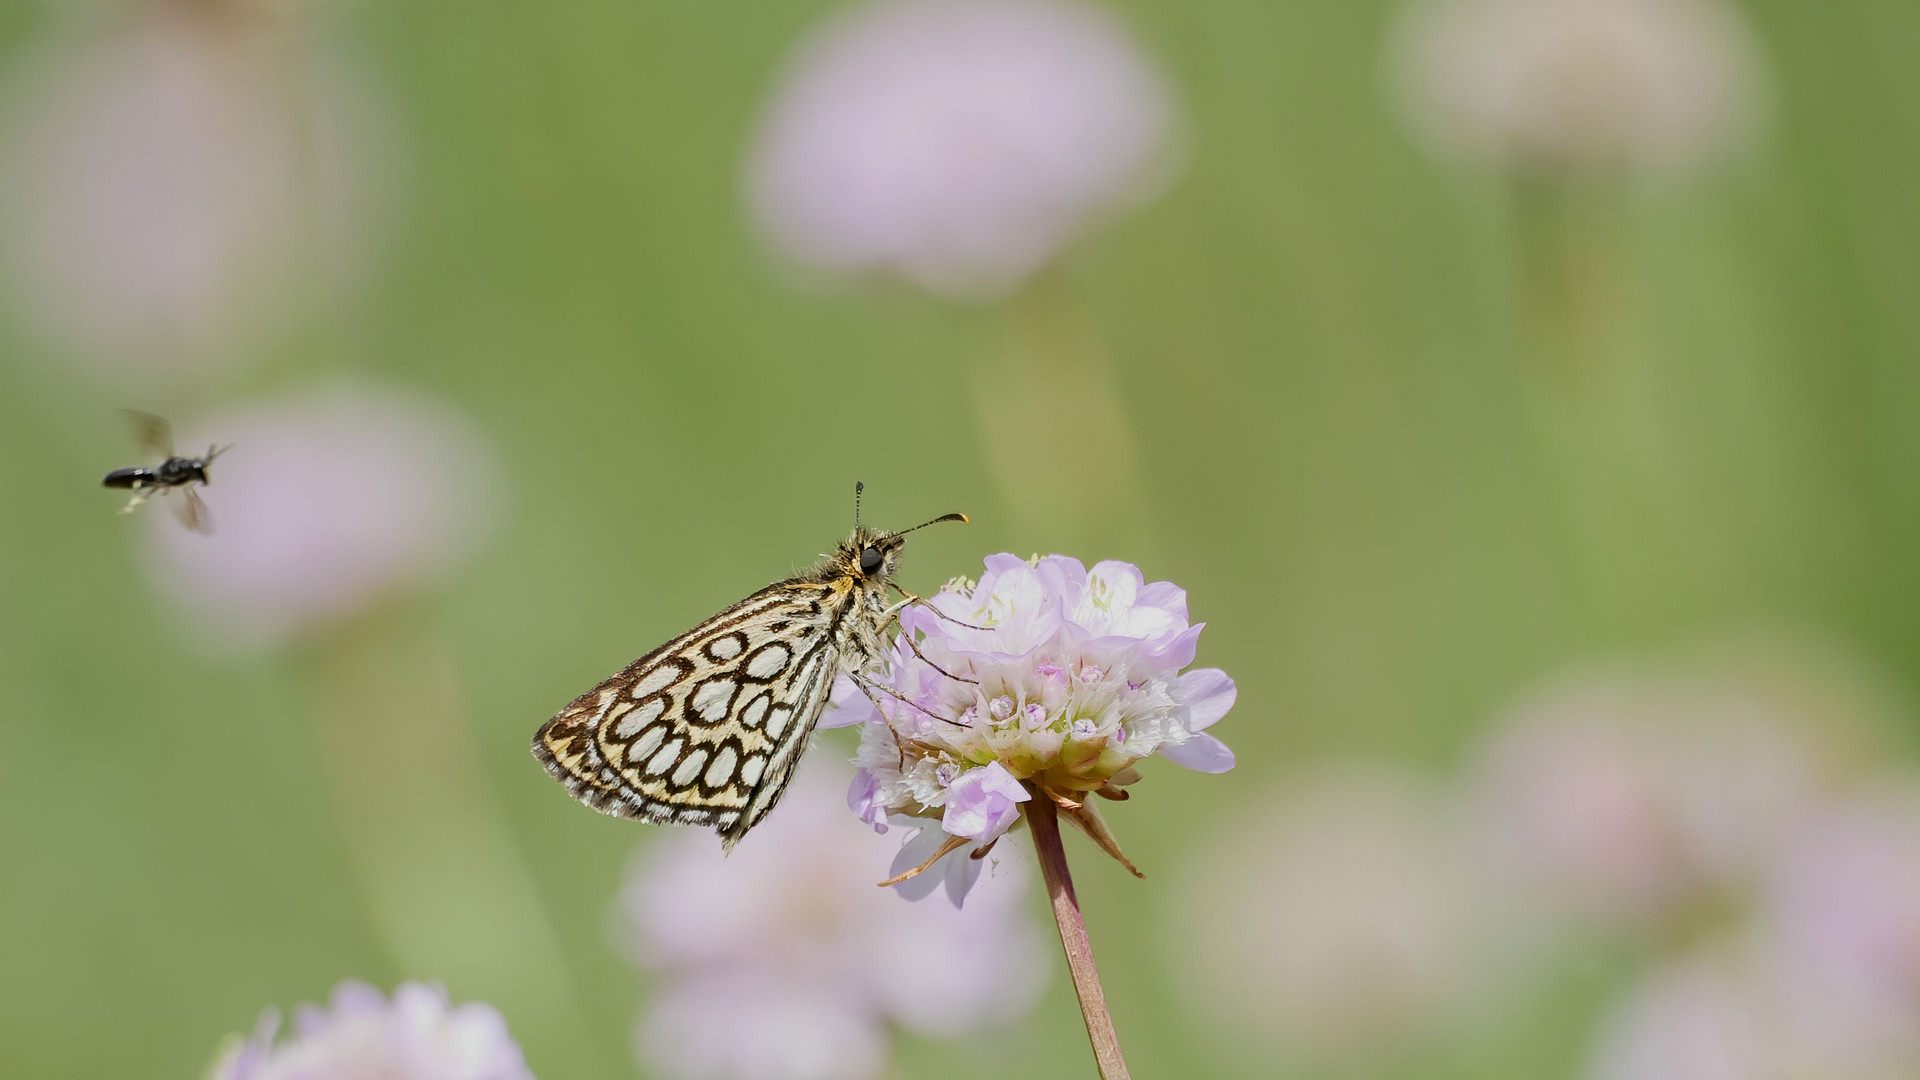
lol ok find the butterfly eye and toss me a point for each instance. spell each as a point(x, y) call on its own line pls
point(870, 559)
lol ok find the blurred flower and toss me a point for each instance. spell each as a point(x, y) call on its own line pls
point(1651, 87)
point(419, 1035)
point(783, 962)
point(1624, 799)
point(329, 500)
point(957, 143)
point(169, 181)
point(1842, 916)
point(1730, 1015)
point(1339, 916)
point(1824, 983)
point(1693, 1020)
point(1072, 678)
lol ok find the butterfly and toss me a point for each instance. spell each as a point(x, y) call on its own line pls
point(707, 728)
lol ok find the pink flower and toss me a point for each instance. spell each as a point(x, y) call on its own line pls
point(1337, 916)
point(329, 501)
point(1694, 1020)
point(419, 1035)
point(983, 803)
point(956, 143)
point(1623, 798)
point(1072, 679)
point(1734, 1014)
point(783, 962)
point(171, 184)
point(1650, 87)
point(1825, 982)
point(1842, 917)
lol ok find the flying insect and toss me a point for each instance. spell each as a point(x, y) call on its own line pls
point(173, 473)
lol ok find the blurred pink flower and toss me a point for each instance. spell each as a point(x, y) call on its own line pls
point(1733, 1015)
point(168, 182)
point(419, 1035)
point(1621, 798)
point(1076, 679)
point(1693, 1020)
point(1842, 917)
point(1341, 915)
point(330, 500)
point(783, 962)
point(957, 143)
point(1649, 87)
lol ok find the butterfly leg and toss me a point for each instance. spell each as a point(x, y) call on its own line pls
point(912, 599)
point(907, 636)
point(893, 615)
point(867, 688)
point(899, 741)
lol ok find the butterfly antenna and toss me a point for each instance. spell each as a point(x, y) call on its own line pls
point(961, 518)
point(858, 487)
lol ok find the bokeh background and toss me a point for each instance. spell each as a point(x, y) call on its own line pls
point(1527, 393)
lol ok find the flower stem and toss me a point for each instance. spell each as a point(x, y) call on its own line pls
point(1043, 818)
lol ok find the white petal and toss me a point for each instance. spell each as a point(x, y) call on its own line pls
point(1202, 753)
point(1207, 693)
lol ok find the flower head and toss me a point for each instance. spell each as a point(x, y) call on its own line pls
point(1343, 915)
point(783, 962)
point(1629, 799)
point(418, 1035)
point(1842, 917)
point(1043, 675)
point(329, 501)
point(956, 143)
point(1649, 87)
point(171, 181)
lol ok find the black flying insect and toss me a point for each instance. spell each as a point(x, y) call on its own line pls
point(173, 473)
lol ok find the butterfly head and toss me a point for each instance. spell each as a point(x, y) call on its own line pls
point(874, 554)
point(870, 554)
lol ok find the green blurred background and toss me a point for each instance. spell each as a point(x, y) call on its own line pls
point(1398, 482)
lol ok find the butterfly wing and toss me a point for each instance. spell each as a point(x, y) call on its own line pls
point(706, 729)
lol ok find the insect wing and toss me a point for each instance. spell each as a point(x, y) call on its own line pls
point(706, 729)
point(152, 433)
point(192, 512)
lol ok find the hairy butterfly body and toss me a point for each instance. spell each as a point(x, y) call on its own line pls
point(707, 728)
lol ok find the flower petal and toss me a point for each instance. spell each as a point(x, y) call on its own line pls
point(918, 849)
point(1164, 595)
point(961, 872)
point(863, 798)
point(983, 803)
point(847, 706)
point(1202, 753)
point(1207, 693)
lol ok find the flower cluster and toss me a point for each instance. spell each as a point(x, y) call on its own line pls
point(344, 495)
point(418, 1035)
point(1578, 87)
point(176, 178)
point(783, 962)
point(1732, 818)
point(957, 144)
point(1042, 677)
